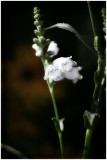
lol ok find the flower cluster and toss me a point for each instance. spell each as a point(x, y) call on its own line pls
point(40, 42)
point(62, 68)
point(51, 51)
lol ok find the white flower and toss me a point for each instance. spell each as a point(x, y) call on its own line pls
point(64, 63)
point(52, 49)
point(74, 74)
point(53, 73)
point(63, 68)
point(36, 47)
point(38, 50)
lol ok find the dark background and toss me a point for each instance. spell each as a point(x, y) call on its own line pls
point(26, 106)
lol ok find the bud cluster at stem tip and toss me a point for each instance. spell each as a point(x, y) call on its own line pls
point(37, 22)
point(40, 42)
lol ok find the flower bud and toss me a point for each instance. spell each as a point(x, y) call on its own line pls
point(39, 53)
point(36, 23)
point(37, 16)
point(52, 49)
point(39, 27)
point(35, 9)
point(35, 40)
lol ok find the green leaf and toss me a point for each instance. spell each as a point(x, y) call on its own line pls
point(90, 119)
point(68, 27)
point(13, 151)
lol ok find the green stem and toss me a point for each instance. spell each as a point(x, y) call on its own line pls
point(99, 74)
point(61, 144)
point(57, 117)
point(54, 102)
point(91, 17)
point(50, 86)
point(87, 143)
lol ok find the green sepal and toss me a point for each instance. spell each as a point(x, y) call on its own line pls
point(57, 126)
point(90, 119)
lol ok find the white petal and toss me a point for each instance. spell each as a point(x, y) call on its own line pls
point(74, 74)
point(64, 63)
point(39, 53)
point(63, 68)
point(36, 47)
point(53, 49)
point(53, 73)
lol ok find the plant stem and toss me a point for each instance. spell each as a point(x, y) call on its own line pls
point(51, 89)
point(57, 117)
point(87, 143)
point(61, 144)
point(91, 17)
point(95, 103)
point(99, 75)
point(54, 103)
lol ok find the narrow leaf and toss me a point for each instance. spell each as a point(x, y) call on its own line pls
point(68, 27)
point(13, 151)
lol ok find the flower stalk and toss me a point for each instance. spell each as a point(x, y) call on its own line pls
point(51, 89)
point(87, 144)
point(57, 118)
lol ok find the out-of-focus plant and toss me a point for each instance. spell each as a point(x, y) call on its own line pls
point(91, 117)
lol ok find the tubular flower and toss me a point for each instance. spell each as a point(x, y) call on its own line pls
point(63, 68)
point(52, 49)
point(53, 73)
point(37, 49)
